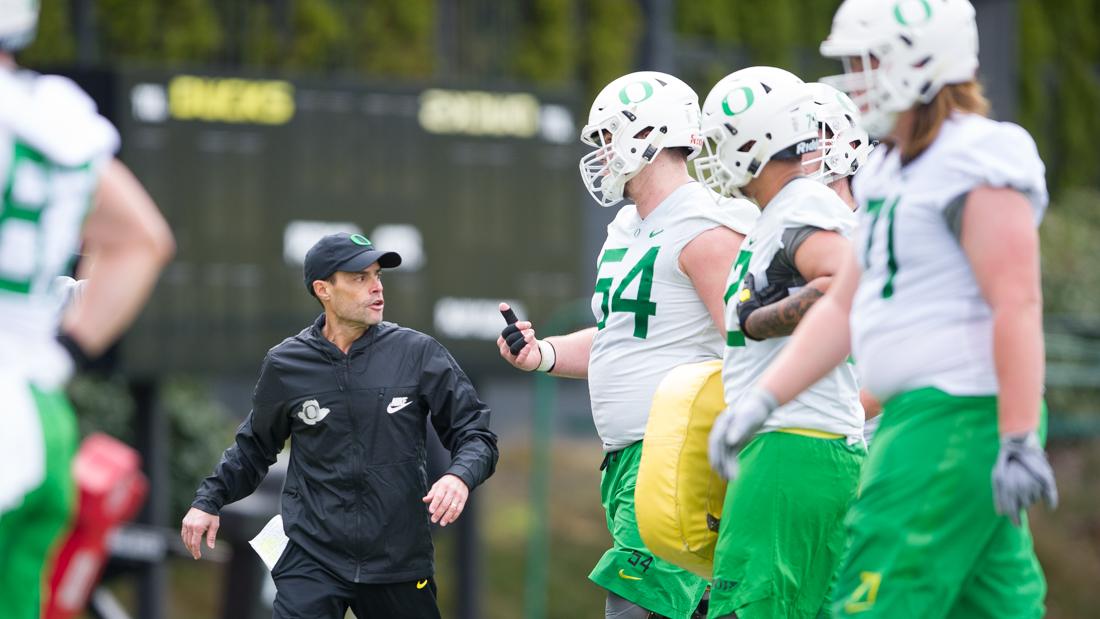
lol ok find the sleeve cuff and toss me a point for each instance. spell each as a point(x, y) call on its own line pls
point(207, 505)
point(463, 473)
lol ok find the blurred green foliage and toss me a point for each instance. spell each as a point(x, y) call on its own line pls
point(199, 427)
point(1060, 88)
point(546, 52)
point(1071, 253)
point(320, 36)
point(54, 42)
point(407, 27)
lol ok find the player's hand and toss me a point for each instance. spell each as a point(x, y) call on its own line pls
point(196, 524)
point(735, 427)
point(750, 299)
point(447, 499)
point(517, 342)
point(67, 290)
point(1022, 476)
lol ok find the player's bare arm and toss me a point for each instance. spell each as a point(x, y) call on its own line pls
point(1002, 245)
point(818, 259)
point(780, 319)
point(707, 260)
point(128, 243)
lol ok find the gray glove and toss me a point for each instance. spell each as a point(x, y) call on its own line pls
point(1022, 476)
point(735, 427)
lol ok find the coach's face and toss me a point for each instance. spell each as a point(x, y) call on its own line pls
point(356, 298)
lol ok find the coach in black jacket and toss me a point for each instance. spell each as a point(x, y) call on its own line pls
point(355, 393)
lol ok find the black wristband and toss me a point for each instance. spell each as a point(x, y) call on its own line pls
point(80, 359)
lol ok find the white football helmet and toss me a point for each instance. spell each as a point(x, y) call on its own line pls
point(919, 47)
point(749, 118)
point(844, 144)
point(18, 21)
point(631, 121)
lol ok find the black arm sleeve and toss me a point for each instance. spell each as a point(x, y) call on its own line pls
point(793, 238)
point(459, 417)
point(259, 440)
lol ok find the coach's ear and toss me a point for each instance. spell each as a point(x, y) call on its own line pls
point(322, 290)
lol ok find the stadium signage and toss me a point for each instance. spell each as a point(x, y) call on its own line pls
point(480, 113)
point(230, 100)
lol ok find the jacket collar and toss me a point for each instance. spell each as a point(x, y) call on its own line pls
point(315, 337)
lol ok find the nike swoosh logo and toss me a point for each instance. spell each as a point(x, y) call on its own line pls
point(420, 584)
point(397, 405)
point(656, 232)
point(628, 576)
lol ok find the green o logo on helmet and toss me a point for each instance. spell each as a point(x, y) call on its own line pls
point(742, 101)
point(635, 92)
point(359, 239)
point(908, 14)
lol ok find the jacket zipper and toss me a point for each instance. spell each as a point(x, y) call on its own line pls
point(357, 465)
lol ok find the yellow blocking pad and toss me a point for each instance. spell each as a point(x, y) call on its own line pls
point(678, 499)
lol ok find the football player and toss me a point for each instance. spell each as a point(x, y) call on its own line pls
point(797, 471)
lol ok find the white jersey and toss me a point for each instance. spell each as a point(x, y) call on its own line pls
point(52, 146)
point(832, 404)
point(649, 316)
point(919, 319)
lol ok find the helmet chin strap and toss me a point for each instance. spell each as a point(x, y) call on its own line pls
point(656, 145)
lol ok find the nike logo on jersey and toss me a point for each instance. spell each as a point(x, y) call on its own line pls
point(656, 232)
point(312, 412)
point(626, 576)
point(420, 584)
point(397, 404)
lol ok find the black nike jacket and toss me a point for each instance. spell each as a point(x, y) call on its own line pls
point(357, 473)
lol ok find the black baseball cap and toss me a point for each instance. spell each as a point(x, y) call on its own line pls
point(344, 252)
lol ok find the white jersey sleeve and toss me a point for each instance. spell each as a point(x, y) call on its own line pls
point(995, 154)
point(52, 115)
point(737, 214)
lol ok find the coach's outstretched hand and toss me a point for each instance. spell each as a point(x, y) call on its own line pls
point(196, 524)
point(735, 427)
point(517, 342)
point(1022, 476)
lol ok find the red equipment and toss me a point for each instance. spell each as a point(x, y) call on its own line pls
point(112, 488)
